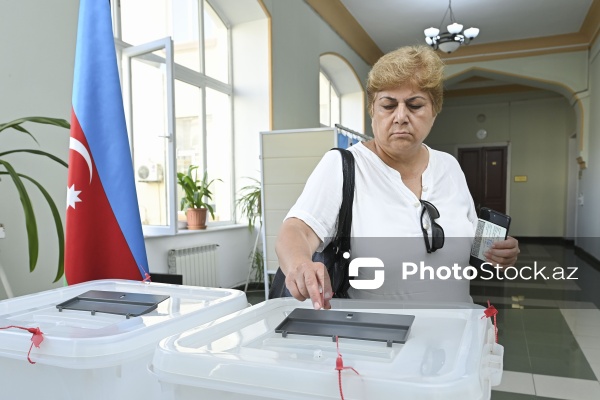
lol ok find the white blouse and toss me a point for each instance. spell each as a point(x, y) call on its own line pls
point(386, 222)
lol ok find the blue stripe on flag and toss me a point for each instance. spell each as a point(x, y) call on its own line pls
point(98, 104)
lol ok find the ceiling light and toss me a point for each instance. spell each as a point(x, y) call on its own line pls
point(454, 36)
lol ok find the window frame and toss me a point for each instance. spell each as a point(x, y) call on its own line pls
point(146, 51)
point(337, 93)
point(193, 78)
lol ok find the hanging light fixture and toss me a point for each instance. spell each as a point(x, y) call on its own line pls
point(451, 39)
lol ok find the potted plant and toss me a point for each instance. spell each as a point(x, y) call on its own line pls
point(250, 206)
point(196, 193)
point(18, 180)
point(249, 202)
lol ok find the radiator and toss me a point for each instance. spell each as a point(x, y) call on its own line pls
point(197, 265)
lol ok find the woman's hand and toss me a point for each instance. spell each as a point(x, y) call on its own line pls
point(504, 253)
point(304, 278)
point(310, 280)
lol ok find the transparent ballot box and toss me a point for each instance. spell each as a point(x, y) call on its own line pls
point(99, 337)
point(272, 351)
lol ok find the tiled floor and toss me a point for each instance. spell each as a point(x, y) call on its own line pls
point(550, 329)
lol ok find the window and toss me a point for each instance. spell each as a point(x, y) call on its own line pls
point(342, 98)
point(176, 66)
point(329, 102)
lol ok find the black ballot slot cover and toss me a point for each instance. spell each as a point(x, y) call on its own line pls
point(390, 328)
point(109, 302)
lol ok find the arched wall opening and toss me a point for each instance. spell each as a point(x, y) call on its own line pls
point(534, 119)
point(346, 82)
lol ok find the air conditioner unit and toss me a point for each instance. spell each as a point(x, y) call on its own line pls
point(151, 172)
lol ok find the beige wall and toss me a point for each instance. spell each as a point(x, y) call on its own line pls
point(300, 36)
point(538, 131)
point(564, 73)
point(576, 76)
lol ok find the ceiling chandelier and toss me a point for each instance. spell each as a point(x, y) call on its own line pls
point(451, 39)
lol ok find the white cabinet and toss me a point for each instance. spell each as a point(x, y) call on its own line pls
point(287, 159)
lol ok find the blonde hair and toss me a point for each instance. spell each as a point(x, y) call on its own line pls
point(414, 65)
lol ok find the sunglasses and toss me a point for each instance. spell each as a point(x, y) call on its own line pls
point(437, 233)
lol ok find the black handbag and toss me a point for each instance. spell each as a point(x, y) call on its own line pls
point(332, 255)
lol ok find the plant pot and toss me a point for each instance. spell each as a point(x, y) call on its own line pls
point(196, 218)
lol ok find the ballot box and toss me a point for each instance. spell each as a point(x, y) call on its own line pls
point(98, 338)
point(282, 349)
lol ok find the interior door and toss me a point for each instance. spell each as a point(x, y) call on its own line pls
point(485, 169)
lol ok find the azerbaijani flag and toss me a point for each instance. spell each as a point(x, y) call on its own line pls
point(104, 238)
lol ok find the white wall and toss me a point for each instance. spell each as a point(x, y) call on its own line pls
point(235, 244)
point(37, 39)
point(588, 215)
point(572, 189)
point(251, 96)
point(352, 119)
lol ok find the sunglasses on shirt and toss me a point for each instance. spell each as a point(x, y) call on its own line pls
point(437, 233)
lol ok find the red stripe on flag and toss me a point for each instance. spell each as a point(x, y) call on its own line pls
point(95, 246)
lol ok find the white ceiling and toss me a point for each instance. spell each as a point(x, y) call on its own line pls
point(394, 23)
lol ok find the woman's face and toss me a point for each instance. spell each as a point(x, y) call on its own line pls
point(402, 118)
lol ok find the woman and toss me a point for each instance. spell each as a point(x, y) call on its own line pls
point(401, 184)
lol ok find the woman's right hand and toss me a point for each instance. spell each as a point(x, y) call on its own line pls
point(304, 278)
point(310, 280)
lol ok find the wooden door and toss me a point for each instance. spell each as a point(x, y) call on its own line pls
point(485, 171)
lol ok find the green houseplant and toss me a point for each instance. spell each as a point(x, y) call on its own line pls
point(18, 181)
point(250, 207)
point(196, 193)
point(249, 202)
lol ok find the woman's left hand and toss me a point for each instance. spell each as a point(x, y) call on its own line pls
point(504, 253)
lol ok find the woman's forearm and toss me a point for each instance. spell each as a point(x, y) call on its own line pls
point(295, 244)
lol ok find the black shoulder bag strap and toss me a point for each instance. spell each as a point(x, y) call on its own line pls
point(337, 267)
point(332, 255)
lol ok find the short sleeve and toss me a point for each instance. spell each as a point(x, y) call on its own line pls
point(319, 204)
